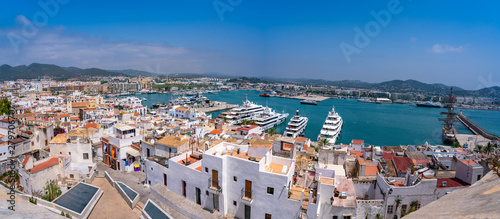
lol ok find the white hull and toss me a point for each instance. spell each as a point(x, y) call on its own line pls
point(332, 127)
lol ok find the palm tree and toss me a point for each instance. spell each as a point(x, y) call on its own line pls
point(478, 149)
point(323, 142)
point(245, 122)
point(489, 148)
point(271, 131)
point(52, 191)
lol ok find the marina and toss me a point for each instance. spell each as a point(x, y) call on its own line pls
point(378, 124)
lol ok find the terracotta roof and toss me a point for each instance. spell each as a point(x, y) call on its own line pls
point(301, 139)
point(468, 162)
point(358, 141)
point(387, 155)
point(328, 181)
point(371, 170)
point(74, 118)
point(8, 120)
point(215, 132)
point(136, 114)
point(181, 108)
point(53, 161)
point(356, 153)
point(401, 163)
point(450, 182)
point(89, 125)
point(247, 128)
point(287, 147)
point(26, 160)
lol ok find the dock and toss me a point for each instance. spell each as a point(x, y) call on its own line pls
point(316, 98)
point(475, 128)
point(217, 106)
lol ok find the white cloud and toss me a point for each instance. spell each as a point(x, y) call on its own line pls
point(54, 46)
point(438, 48)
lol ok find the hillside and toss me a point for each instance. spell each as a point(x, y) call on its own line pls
point(36, 70)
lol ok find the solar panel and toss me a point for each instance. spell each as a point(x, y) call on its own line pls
point(77, 198)
point(131, 194)
point(154, 212)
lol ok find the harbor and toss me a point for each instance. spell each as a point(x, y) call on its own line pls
point(316, 98)
point(378, 124)
point(216, 106)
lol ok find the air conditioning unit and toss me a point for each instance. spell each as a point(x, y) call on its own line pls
point(443, 184)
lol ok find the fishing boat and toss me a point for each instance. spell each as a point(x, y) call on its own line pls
point(264, 95)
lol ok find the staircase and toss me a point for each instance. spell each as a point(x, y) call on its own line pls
point(138, 208)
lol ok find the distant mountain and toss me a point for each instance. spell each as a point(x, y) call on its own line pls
point(135, 73)
point(246, 80)
point(36, 70)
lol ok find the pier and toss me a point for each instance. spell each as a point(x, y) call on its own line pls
point(217, 106)
point(304, 97)
point(475, 128)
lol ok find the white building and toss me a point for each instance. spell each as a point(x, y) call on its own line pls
point(239, 180)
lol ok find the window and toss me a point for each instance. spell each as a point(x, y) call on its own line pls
point(71, 176)
point(347, 217)
point(418, 206)
point(270, 190)
point(235, 178)
point(268, 216)
point(389, 209)
point(234, 203)
point(335, 217)
point(46, 142)
point(206, 169)
point(206, 193)
point(69, 153)
point(85, 156)
point(478, 177)
point(403, 208)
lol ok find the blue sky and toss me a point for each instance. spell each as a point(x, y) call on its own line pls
point(450, 42)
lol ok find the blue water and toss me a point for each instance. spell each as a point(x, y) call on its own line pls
point(378, 124)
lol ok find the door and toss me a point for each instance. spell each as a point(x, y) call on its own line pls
point(118, 163)
point(248, 189)
point(184, 188)
point(198, 196)
point(247, 211)
point(216, 202)
point(165, 179)
point(147, 152)
point(215, 179)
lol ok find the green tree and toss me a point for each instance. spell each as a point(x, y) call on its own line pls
point(271, 131)
point(51, 191)
point(5, 106)
point(489, 148)
point(478, 149)
point(323, 142)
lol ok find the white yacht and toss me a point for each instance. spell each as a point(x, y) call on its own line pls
point(332, 127)
point(244, 112)
point(269, 118)
point(296, 126)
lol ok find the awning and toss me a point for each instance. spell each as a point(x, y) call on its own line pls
point(133, 152)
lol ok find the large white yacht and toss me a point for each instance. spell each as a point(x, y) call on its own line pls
point(269, 118)
point(332, 127)
point(244, 112)
point(296, 126)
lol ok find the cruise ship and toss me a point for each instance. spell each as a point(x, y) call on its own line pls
point(244, 112)
point(296, 126)
point(430, 104)
point(332, 127)
point(269, 118)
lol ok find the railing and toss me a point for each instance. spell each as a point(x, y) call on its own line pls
point(246, 194)
point(214, 185)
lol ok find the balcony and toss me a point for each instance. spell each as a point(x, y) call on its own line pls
point(246, 195)
point(214, 185)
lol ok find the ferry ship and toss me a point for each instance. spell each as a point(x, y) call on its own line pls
point(430, 104)
point(296, 126)
point(269, 118)
point(310, 102)
point(244, 112)
point(332, 127)
point(383, 100)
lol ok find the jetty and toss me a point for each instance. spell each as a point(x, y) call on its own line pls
point(475, 128)
point(217, 106)
point(316, 98)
